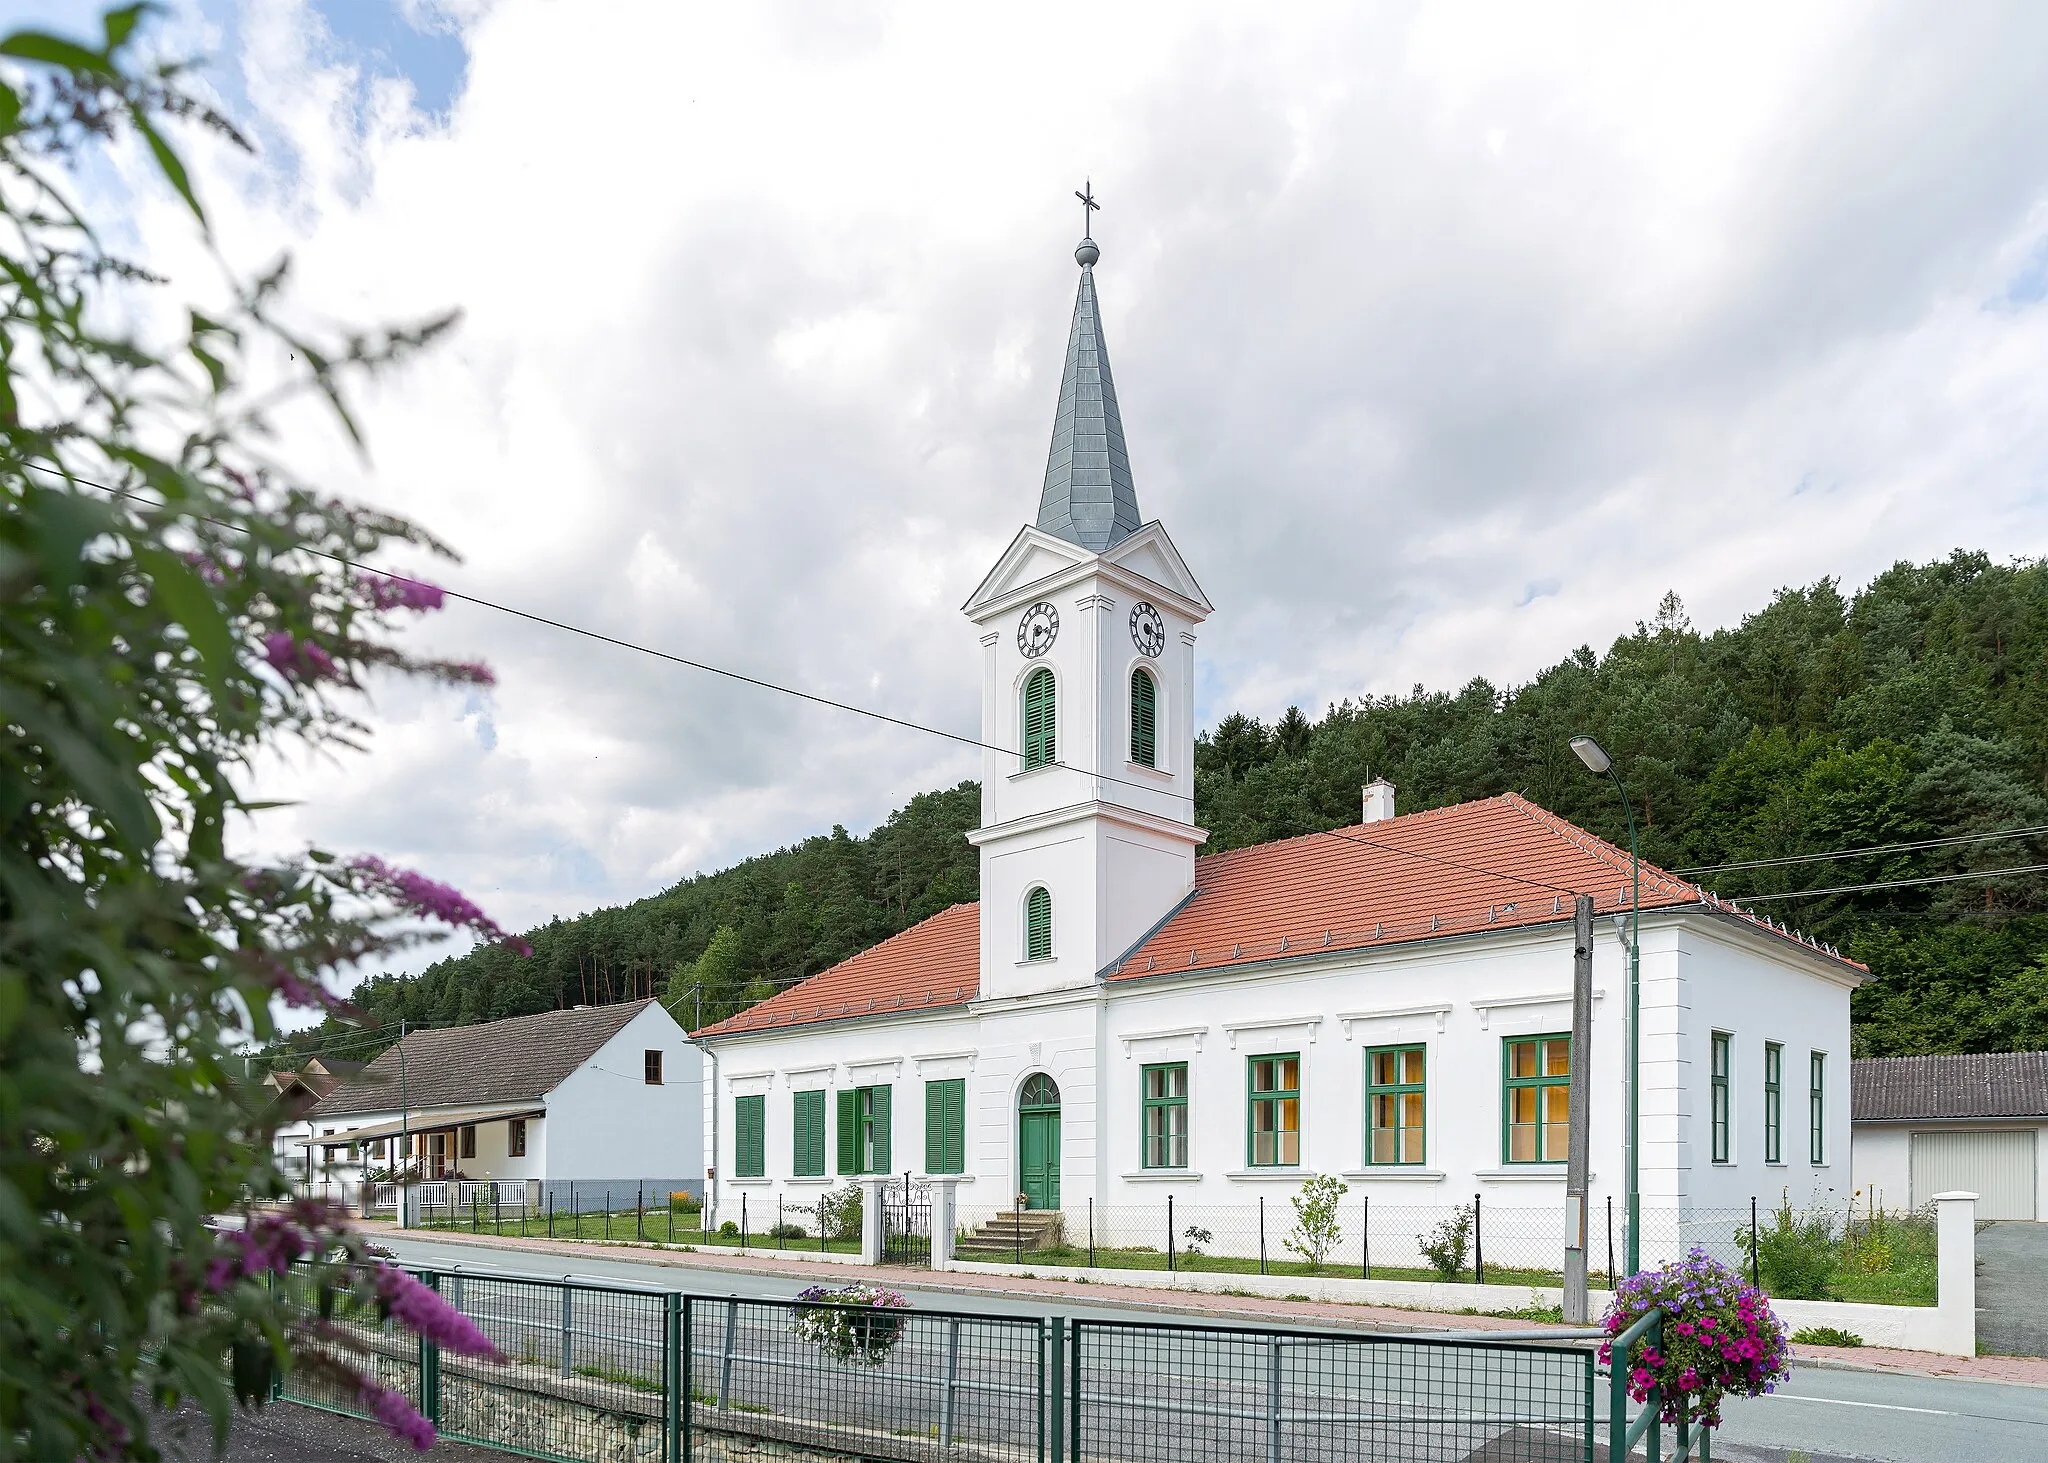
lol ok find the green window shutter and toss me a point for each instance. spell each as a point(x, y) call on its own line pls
point(1144, 719)
point(849, 1132)
point(883, 1160)
point(807, 1140)
point(945, 1122)
point(1038, 925)
point(750, 1159)
point(1041, 713)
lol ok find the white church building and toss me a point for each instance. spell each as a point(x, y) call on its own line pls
point(1120, 1018)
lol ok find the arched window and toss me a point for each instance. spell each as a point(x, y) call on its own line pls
point(1144, 718)
point(1040, 713)
point(1038, 925)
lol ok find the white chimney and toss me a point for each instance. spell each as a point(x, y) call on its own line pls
point(1379, 800)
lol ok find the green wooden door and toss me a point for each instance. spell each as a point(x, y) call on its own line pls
point(1038, 1142)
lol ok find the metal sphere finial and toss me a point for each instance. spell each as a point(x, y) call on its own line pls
point(1085, 253)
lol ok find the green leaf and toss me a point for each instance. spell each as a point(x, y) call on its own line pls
point(120, 24)
point(36, 45)
point(173, 168)
point(191, 603)
point(10, 108)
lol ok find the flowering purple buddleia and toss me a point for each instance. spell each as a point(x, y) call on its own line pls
point(300, 660)
point(433, 900)
point(399, 1417)
point(421, 1309)
point(394, 592)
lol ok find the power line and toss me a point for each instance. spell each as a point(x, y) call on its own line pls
point(768, 685)
point(1808, 858)
point(1741, 899)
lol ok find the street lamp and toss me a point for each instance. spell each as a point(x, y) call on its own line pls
point(1599, 764)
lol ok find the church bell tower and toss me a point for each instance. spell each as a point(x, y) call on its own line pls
point(1087, 625)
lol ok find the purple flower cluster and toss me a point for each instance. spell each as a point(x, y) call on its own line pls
point(301, 660)
point(1719, 1336)
point(859, 1293)
point(399, 1417)
point(434, 900)
point(420, 1309)
point(269, 1244)
point(394, 592)
point(205, 567)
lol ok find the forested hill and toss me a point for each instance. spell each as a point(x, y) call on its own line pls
point(1915, 710)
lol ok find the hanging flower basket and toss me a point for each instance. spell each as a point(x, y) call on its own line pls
point(854, 1323)
point(1719, 1337)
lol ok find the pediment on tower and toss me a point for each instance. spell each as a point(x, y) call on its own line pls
point(1033, 558)
point(1151, 556)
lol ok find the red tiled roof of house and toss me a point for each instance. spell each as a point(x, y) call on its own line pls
point(1496, 863)
point(933, 964)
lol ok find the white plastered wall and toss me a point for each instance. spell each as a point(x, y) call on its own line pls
point(605, 1121)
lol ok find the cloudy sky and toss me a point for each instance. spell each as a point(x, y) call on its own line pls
point(1447, 338)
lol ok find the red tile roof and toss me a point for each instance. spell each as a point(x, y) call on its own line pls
point(933, 964)
point(1496, 863)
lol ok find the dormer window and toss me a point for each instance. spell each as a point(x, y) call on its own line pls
point(1144, 718)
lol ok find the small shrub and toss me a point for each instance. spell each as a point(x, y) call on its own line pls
point(1796, 1254)
point(788, 1231)
point(1193, 1238)
point(1315, 1219)
point(1446, 1246)
point(839, 1212)
point(729, 1230)
point(1825, 1336)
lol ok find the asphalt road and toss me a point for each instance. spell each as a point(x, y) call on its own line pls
point(1827, 1416)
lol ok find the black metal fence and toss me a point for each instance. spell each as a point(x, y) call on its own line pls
point(611, 1373)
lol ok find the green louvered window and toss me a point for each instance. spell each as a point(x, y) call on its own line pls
point(750, 1137)
point(1144, 719)
point(864, 1130)
point(945, 1126)
point(1038, 925)
point(807, 1136)
point(1041, 712)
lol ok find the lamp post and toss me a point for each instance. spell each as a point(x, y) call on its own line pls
point(1598, 763)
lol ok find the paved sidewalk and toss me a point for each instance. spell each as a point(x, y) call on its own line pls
point(2012, 1288)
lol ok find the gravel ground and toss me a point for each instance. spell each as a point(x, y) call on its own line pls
point(285, 1432)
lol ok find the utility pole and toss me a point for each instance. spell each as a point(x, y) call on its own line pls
point(1577, 1136)
point(404, 1166)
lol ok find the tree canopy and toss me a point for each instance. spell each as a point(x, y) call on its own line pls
point(1910, 711)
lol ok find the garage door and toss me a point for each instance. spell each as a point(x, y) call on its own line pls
point(1998, 1167)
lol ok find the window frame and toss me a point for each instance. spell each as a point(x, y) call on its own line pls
point(650, 1066)
point(1037, 939)
point(750, 1149)
point(873, 1121)
point(1720, 1117)
point(515, 1137)
point(466, 1141)
point(1508, 1085)
point(1774, 1102)
point(1278, 1097)
point(1396, 1090)
point(1040, 743)
point(1144, 735)
point(1816, 1108)
point(1166, 1105)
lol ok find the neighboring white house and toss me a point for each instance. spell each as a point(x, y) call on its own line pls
point(1118, 1020)
point(599, 1096)
point(1930, 1125)
point(296, 1090)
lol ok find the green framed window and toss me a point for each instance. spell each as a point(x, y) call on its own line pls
point(1395, 1098)
point(945, 1126)
point(1722, 1047)
point(864, 1131)
point(1273, 1121)
point(1165, 1100)
point(750, 1137)
point(1144, 718)
point(1041, 717)
point(1774, 1102)
point(1536, 1098)
point(807, 1134)
point(1038, 924)
point(1816, 1107)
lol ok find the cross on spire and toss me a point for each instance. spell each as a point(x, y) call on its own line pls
point(1088, 206)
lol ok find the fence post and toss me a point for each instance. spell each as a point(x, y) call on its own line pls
point(1169, 1234)
point(687, 1356)
point(732, 1336)
point(551, 1213)
point(497, 1212)
point(1262, 1234)
point(1091, 1231)
point(455, 1290)
point(1752, 1242)
point(640, 1209)
point(1365, 1239)
point(1073, 1384)
point(1055, 1396)
point(430, 1367)
point(607, 1212)
point(1272, 1399)
point(949, 1399)
point(743, 1224)
point(568, 1327)
point(1478, 1248)
point(672, 1376)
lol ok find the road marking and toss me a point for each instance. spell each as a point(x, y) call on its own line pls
point(1845, 1402)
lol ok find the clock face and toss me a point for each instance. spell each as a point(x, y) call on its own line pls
point(1148, 630)
point(1037, 630)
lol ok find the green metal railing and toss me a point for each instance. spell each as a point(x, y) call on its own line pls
point(1648, 1425)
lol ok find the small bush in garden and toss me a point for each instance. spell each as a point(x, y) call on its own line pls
point(1193, 1238)
point(788, 1231)
point(1315, 1219)
point(730, 1229)
point(851, 1323)
point(1720, 1337)
point(1825, 1336)
point(839, 1212)
point(1446, 1246)
point(685, 1202)
point(1796, 1254)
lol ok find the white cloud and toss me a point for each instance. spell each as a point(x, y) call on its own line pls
point(1447, 338)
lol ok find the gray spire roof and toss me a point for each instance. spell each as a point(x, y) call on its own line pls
point(1088, 498)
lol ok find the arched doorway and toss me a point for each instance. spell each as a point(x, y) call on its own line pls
point(1038, 1142)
